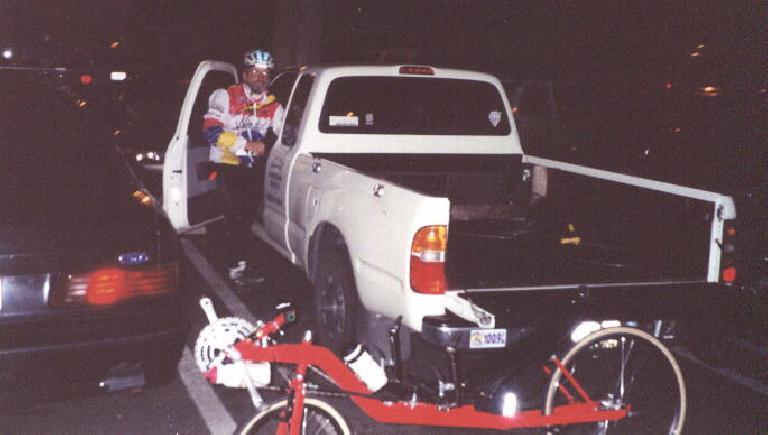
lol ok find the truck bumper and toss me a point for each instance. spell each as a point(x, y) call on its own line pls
point(670, 311)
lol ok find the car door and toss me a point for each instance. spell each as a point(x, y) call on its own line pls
point(189, 185)
point(279, 167)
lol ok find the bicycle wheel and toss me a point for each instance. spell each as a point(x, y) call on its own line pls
point(624, 366)
point(319, 418)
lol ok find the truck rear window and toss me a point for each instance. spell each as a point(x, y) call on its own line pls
point(413, 105)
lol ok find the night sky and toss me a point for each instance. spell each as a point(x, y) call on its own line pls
point(514, 38)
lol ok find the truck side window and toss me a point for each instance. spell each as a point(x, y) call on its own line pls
point(296, 110)
point(282, 85)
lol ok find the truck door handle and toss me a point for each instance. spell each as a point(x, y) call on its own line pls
point(378, 190)
point(177, 171)
point(316, 166)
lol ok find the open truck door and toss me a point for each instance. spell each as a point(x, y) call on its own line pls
point(189, 190)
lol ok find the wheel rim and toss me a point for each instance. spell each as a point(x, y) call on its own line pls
point(319, 418)
point(332, 306)
point(625, 366)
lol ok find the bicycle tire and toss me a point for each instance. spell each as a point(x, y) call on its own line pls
point(317, 413)
point(666, 384)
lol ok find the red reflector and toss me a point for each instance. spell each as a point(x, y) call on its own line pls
point(86, 79)
point(729, 274)
point(417, 70)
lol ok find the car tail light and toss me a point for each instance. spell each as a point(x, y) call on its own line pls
point(428, 260)
point(728, 253)
point(110, 285)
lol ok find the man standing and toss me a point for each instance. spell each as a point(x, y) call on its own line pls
point(241, 124)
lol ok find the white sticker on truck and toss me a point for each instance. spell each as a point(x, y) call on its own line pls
point(343, 121)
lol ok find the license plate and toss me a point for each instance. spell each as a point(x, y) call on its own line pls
point(487, 338)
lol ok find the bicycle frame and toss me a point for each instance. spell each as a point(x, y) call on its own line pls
point(581, 409)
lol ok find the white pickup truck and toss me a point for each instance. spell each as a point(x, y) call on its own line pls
point(403, 192)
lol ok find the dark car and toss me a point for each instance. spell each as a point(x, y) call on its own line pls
point(90, 288)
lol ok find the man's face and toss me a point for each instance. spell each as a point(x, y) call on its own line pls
point(257, 79)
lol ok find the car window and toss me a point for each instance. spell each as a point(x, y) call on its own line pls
point(413, 105)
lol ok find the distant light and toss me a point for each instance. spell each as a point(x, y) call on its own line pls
point(118, 75)
point(700, 46)
point(116, 132)
point(86, 79)
point(515, 109)
point(696, 54)
point(7, 53)
point(81, 103)
point(668, 85)
point(114, 44)
point(709, 91)
point(677, 130)
point(142, 197)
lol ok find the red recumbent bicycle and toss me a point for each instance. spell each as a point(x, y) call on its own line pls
point(628, 382)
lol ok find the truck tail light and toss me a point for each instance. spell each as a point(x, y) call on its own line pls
point(728, 253)
point(110, 285)
point(428, 260)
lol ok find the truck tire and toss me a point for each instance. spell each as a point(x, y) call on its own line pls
point(336, 302)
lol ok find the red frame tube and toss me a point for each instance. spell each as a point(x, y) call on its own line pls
point(427, 414)
point(570, 378)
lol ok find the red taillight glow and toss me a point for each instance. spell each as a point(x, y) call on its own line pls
point(728, 254)
point(729, 274)
point(111, 285)
point(428, 260)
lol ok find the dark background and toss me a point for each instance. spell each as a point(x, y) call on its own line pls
point(508, 37)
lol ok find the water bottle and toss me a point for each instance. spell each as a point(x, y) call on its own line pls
point(366, 369)
point(233, 376)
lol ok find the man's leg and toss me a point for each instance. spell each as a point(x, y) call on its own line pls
point(245, 202)
point(232, 245)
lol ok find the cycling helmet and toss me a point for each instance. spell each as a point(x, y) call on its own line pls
point(259, 59)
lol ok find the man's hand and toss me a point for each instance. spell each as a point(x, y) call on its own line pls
point(255, 147)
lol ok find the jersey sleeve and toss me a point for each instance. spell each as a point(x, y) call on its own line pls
point(217, 123)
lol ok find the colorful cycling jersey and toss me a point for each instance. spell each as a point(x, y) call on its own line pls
point(237, 115)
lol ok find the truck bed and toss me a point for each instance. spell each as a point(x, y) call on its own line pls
point(585, 231)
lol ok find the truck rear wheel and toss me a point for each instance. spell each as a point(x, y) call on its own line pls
point(336, 301)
